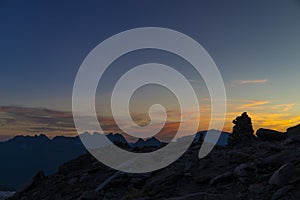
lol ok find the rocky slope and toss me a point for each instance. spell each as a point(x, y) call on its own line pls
point(245, 169)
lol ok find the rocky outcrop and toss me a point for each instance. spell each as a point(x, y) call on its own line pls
point(293, 135)
point(270, 135)
point(242, 130)
point(252, 169)
point(294, 129)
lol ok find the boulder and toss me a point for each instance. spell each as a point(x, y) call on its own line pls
point(294, 129)
point(282, 192)
point(283, 175)
point(293, 135)
point(270, 135)
point(279, 159)
point(223, 178)
point(245, 172)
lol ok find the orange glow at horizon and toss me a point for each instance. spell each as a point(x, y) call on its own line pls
point(264, 114)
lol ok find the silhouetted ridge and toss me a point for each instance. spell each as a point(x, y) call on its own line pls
point(116, 138)
point(24, 155)
point(294, 129)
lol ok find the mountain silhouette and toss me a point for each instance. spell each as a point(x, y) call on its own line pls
point(25, 155)
point(22, 156)
point(150, 142)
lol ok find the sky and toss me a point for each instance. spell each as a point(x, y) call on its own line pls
point(255, 44)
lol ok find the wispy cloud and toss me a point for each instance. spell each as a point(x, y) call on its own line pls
point(265, 114)
point(256, 81)
point(284, 107)
point(31, 121)
point(263, 119)
point(20, 120)
point(253, 103)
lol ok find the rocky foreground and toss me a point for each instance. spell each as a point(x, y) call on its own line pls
point(248, 168)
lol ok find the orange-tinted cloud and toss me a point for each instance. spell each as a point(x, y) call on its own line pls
point(253, 103)
point(265, 114)
point(256, 81)
point(284, 107)
point(20, 120)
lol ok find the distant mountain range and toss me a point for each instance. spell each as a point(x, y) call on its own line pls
point(23, 156)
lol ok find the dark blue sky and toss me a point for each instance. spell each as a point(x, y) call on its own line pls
point(42, 44)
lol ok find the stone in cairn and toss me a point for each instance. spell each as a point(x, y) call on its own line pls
point(242, 131)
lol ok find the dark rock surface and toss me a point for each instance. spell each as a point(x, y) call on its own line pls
point(283, 175)
point(268, 134)
point(293, 135)
point(294, 129)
